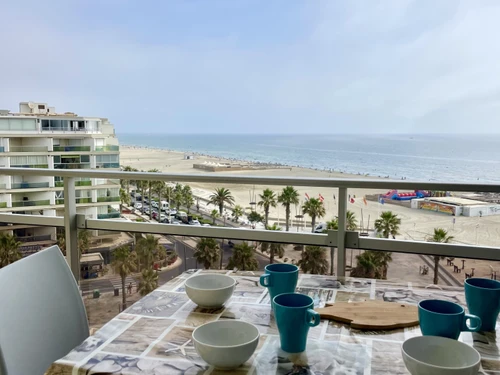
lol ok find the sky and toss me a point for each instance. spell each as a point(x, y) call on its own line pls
point(258, 66)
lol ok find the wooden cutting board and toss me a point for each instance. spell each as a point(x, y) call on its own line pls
point(371, 315)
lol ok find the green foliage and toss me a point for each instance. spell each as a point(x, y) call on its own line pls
point(372, 264)
point(148, 282)
point(273, 248)
point(220, 197)
point(207, 252)
point(314, 260)
point(124, 263)
point(84, 236)
point(255, 217)
point(243, 258)
point(315, 208)
point(268, 199)
point(147, 250)
point(214, 215)
point(388, 224)
point(440, 235)
point(237, 212)
point(9, 249)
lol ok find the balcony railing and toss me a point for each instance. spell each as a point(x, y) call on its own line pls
point(46, 237)
point(28, 149)
point(107, 165)
point(29, 185)
point(339, 239)
point(111, 215)
point(39, 166)
point(77, 183)
point(107, 148)
point(108, 199)
point(70, 148)
point(72, 166)
point(84, 200)
point(43, 202)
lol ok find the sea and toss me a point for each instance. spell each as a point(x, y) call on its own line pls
point(421, 157)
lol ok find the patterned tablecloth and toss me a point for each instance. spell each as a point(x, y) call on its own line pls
point(153, 336)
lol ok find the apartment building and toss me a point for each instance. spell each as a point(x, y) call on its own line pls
point(38, 137)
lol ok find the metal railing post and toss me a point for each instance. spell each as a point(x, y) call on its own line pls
point(341, 231)
point(71, 227)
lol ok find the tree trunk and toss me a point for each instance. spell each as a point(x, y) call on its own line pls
point(266, 213)
point(313, 222)
point(287, 217)
point(436, 269)
point(332, 255)
point(221, 208)
point(121, 208)
point(221, 256)
point(124, 296)
point(271, 254)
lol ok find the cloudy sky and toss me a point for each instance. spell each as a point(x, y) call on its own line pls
point(289, 66)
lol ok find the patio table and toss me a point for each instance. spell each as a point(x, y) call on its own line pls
point(153, 336)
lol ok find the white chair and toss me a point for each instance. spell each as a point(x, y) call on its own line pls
point(42, 316)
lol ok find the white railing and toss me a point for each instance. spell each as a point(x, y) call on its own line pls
point(340, 239)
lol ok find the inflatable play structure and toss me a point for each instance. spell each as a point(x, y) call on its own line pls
point(393, 194)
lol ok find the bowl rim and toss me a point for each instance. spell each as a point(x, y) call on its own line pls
point(227, 346)
point(211, 289)
point(436, 366)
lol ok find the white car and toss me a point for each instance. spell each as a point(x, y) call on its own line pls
point(195, 222)
point(154, 204)
point(138, 205)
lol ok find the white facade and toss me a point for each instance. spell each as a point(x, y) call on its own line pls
point(37, 137)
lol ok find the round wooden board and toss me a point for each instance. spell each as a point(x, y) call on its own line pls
point(371, 315)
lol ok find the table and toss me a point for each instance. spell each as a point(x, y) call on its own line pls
point(153, 336)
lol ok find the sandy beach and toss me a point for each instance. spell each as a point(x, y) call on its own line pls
point(415, 224)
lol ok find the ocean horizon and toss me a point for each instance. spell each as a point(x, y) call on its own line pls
point(424, 157)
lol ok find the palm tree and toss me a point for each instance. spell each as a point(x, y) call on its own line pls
point(207, 252)
point(124, 199)
point(220, 197)
point(366, 266)
point(159, 188)
point(84, 236)
point(314, 260)
point(382, 258)
point(332, 224)
point(169, 193)
point(147, 249)
point(388, 224)
point(214, 215)
point(142, 185)
point(440, 235)
point(124, 263)
point(268, 199)
point(288, 197)
point(9, 249)
point(314, 207)
point(128, 168)
point(255, 217)
point(187, 197)
point(273, 247)
point(61, 241)
point(237, 212)
point(351, 222)
point(149, 281)
point(243, 258)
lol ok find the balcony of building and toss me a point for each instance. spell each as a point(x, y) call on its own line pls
point(78, 125)
point(72, 162)
point(338, 249)
point(26, 145)
point(108, 148)
point(70, 148)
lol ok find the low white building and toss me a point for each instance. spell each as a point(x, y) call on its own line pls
point(456, 206)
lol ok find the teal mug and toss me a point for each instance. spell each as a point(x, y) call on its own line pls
point(280, 278)
point(445, 319)
point(483, 300)
point(294, 314)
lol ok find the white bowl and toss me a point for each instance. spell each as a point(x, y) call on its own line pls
point(210, 290)
point(226, 344)
point(433, 355)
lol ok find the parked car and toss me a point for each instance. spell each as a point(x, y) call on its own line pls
point(155, 215)
point(154, 204)
point(165, 220)
point(195, 222)
point(172, 212)
point(164, 206)
point(146, 210)
point(138, 205)
point(320, 228)
point(205, 225)
point(162, 217)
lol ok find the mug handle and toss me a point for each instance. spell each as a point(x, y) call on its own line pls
point(312, 318)
point(472, 318)
point(265, 280)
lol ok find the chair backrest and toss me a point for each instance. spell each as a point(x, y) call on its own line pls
point(42, 316)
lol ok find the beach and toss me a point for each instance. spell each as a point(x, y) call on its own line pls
point(415, 224)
